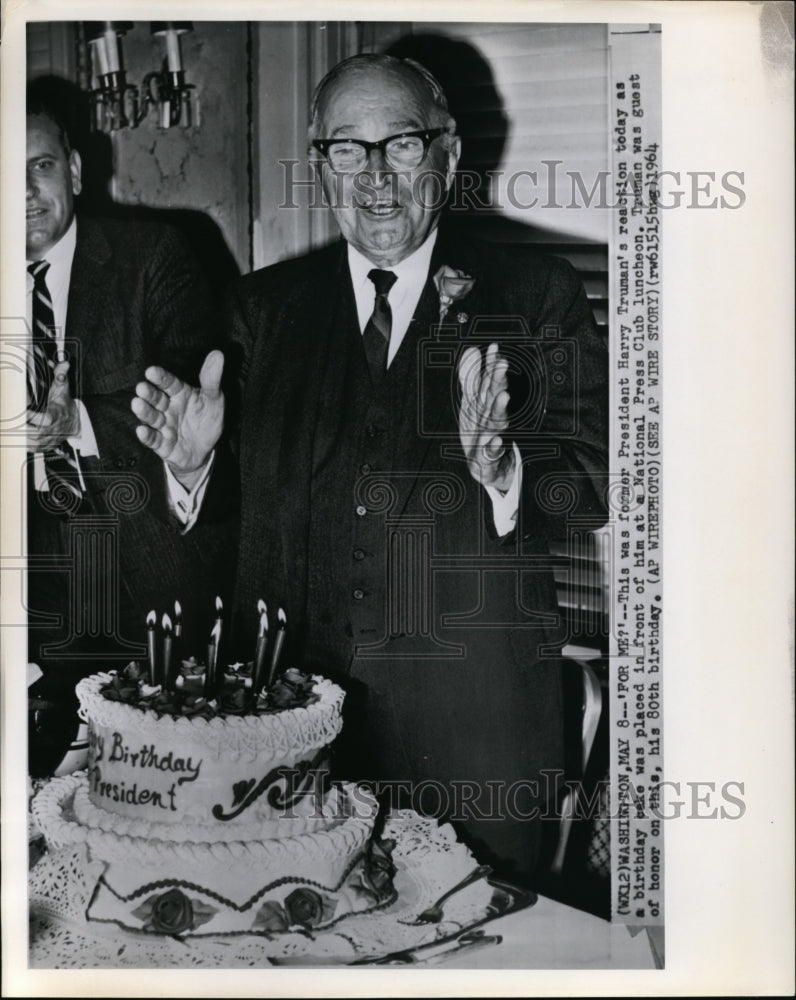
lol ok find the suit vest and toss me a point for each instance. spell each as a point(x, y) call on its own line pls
point(360, 432)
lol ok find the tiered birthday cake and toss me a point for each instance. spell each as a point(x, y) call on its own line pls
point(215, 816)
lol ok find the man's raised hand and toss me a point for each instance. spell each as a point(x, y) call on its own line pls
point(179, 423)
point(60, 419)
point(483, 416)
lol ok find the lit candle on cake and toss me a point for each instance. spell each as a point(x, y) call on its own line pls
point(260, 647)
point(219, 623)
point(165, 670)
point(170, 677)
point(279, 641)
point(151, 643)
point(212, 660)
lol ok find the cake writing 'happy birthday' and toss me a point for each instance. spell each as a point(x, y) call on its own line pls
point(146, 758)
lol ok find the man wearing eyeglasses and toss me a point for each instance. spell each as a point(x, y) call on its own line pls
point(393, 471)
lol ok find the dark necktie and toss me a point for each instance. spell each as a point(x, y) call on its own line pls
point(376, 335)
point(43, 337)
point(61, 464)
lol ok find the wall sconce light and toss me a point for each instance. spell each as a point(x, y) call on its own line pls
point(117, 104)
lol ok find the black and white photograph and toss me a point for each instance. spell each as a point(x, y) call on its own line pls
point(357, 388)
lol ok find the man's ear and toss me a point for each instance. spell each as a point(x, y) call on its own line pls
point(75, 171)
point(454, 152)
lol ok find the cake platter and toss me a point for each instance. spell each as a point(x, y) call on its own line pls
point(433, 867)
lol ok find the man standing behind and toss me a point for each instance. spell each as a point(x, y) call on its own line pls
point(105, 299)
point(396, 478)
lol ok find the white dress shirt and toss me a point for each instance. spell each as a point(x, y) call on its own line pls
point(403, 297)
point(60, 257)
point(404, 294)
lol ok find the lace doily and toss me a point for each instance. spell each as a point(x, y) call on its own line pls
point(429, 861)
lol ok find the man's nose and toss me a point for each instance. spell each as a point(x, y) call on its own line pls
point(376, 163)
point(31, 188)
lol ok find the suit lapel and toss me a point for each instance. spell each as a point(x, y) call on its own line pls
point(437, 348)
point(320, 309)
point(94, 311)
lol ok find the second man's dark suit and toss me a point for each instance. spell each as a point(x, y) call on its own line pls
point(136, 298)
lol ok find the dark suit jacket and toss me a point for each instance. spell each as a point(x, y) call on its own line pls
point(136, 298)
point(458, 695)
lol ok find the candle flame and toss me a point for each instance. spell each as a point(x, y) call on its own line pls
point(215, 635)
point(263, 623)
point(219, 605)
point(177, 609)
point(282, 617)
point(151, 618)
point(166, 623)
point(261, 607)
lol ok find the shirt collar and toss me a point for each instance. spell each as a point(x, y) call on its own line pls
point(412, 269)
point(60, 255)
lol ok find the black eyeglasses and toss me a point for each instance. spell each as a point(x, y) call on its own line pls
point(403, 151)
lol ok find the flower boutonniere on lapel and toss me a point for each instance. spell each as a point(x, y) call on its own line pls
point(452, 285)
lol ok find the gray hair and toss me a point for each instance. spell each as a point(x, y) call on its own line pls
point(427, 80)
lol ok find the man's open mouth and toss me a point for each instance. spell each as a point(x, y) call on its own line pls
point(382, 210)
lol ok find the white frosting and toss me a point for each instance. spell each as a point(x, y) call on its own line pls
point(235, 870)
point(164, 861)
point(334, 809)
point(170, 770)
point(55, 815)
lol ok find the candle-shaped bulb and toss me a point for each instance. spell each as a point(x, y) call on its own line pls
point(173, 50)
point(111, 48)
point(99, 57)
point(219, 607)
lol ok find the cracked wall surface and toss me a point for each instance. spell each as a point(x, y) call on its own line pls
point(198, 169)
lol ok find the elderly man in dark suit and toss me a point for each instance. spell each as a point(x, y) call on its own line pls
point(413, 410)
point(107, 537)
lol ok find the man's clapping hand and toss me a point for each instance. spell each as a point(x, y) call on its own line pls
point(179, 423)
point(483, 417)
point(59, 420)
